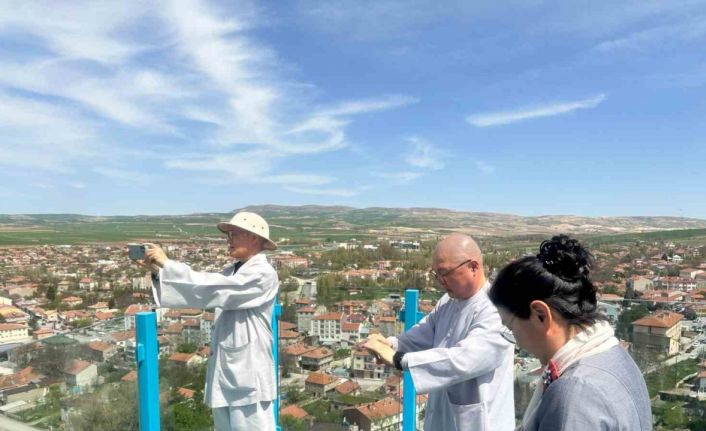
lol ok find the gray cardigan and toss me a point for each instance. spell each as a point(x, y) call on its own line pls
point(605, 392)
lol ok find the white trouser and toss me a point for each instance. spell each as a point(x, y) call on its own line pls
point(259, 416)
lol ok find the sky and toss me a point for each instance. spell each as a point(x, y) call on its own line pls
point(523, 107)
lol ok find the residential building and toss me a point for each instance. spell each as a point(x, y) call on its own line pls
point(365, 366)
point(206, 327)
point(349, 387)
point(389, 326)
point(133, 309)
point(288, 260)
point(192, 331)
point(23, 385)
point(13, 333)
point(320, 384)
point(351, 333)
point(327, 327)
point(80, 374)
point(100, 351)
point(316, 359)
point(304, 317)
point(295, 412)
point(610, 309)
point(690, 272)
point(660, 332)
point(639, 283)
point(382, 415)
point(292, 354)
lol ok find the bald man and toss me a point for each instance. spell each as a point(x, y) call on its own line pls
point(457, 354)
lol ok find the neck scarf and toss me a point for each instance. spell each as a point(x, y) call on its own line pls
point(595, 339)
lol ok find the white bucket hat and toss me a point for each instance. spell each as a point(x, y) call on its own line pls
point(250, 222)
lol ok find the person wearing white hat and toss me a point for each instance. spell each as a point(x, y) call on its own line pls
point(240, 383)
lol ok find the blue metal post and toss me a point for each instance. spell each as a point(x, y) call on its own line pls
point(410, 315)
point(276, 313)
point(146, 353)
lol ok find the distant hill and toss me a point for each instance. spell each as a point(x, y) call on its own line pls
point(438, 219)
point(316, 222)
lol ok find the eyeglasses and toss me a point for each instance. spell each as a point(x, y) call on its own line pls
point(233, 234)
point(506, 332)
point(441, 275)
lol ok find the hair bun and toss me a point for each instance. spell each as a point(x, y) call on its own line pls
point(565, 257)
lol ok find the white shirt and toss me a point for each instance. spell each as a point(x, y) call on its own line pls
point(241, 368)
point(457, 355)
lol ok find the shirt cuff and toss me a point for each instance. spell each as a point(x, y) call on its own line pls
point(403, 362)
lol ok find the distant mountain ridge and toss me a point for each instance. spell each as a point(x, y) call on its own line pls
point(475, 222)
point(380, 220)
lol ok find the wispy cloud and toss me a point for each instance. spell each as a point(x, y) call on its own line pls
point(246, 167)
point(42, 135)
point(90, 82)
point(423, 154)
point(522, 114)
point(369, 105)
point(400, 178)
point(657, 37)
point(484, 167)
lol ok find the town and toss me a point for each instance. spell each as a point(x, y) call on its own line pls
point(67, 329)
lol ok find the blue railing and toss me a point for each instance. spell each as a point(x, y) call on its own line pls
point(147, 353)
point(275, 353)
point(410, 315)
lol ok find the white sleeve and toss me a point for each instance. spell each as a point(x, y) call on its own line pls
point(420, 337)
point(180, 287)
point(479, 353)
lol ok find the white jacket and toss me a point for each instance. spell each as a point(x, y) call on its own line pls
point(241, 367)
point(457, 355)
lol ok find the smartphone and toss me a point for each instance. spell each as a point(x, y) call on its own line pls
point(136, 251)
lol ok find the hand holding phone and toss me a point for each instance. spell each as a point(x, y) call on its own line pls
point(136, 251)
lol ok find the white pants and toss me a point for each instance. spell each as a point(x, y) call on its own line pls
point(259, 416)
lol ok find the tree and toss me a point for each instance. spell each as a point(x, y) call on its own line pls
point(624, 327)
point(295, 395)
point(187, 416)
point(51, 293)
point(187, 347)
point(111, 407)
point(289, 423)
point(341, 354)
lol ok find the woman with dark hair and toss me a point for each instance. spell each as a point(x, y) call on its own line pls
point(548, 305)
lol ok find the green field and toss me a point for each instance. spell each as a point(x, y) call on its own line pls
point(310, 225)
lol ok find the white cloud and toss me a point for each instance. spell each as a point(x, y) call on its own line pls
point(656, 36)
point(42, 135)
point(92, 84)
point(423, 155)
point(522, 114)
point(369, 105)
point(242, 164)
point(401, 178)
point(484, 167)
point(253, 167)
